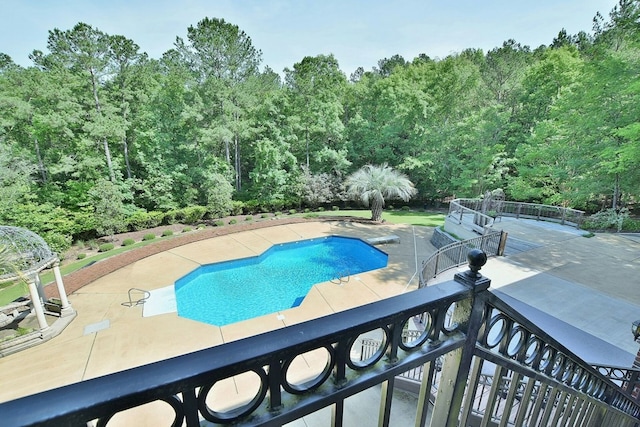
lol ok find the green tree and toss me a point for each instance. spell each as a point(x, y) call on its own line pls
point(16, 178)
point(224, 61)
point(84, 51)
point(126, 88)
point(316, 87)
point(373, 185)
point(219, 196)
point(108, 203)
point(387, 65)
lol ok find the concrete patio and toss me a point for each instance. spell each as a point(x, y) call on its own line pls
point(586, 288)
point(107, 336)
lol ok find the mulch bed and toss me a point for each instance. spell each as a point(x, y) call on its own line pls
point(90, 273)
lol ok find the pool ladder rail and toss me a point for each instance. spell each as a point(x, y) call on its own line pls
point(135, 302)
point(342, 278)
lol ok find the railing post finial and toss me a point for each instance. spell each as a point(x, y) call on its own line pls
point(472, 277)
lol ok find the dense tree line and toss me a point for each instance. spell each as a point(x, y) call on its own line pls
point(96, 136)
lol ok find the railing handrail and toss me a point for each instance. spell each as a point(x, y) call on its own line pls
point(183, 375)
point(515, 209)
point(506, 202)
point(480, 241)
point(184, 382)
point(560, 359)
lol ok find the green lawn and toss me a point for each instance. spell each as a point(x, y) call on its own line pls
point(10, 292)
point(427, 219)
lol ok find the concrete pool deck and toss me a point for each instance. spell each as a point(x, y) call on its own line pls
point(589, 283)
point(107, 336)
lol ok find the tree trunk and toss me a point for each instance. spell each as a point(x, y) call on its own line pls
point(107, 152)
point(125, 145)
point(125, 149)
point(43, 171)
point(306, 134)
point(237, 162)
point(376, 209)
point(616, 192)
point(227, 149)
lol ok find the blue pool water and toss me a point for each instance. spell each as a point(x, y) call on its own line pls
point(280, 278)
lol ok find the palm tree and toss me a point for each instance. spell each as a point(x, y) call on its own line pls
point(373, 184)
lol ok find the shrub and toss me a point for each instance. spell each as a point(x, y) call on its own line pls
point(320, 209)
point(276, 205)
point(200, 227)
point(607, 219)
point(233, 221)
point(311, 215)
point(251, 207)
point(58, 243)
point(219, 194)
point(248, 218)
point(264, 215)
point(193, 214)
point(170, 217)
point(187, 229)
point(128, 242)
point(149, 236)
point(105, 247)
point(277, 213)
point(307, 210)
point(335, 208)
point(390, 207)
point(167, 233)
point(292, 211)
point(631, 225)
point(82, 255)
point(219, 223)
point(405, 208)
point(237, 207)
point(142, 220)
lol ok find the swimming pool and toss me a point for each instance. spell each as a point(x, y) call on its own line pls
point(280, 278)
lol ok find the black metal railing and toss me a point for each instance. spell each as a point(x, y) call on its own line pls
point(540, 381)
point(497, 367)
point(626, 378)
point(455, 254)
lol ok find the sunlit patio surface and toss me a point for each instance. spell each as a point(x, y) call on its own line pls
point(108, 336)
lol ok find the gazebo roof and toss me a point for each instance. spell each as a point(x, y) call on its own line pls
point(27, 251)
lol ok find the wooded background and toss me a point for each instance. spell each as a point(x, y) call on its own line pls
point(96, 136)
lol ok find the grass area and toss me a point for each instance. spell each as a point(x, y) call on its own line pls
point(427, 219)
point(10, 292)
